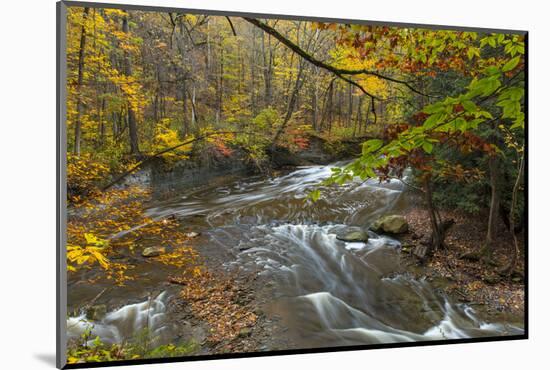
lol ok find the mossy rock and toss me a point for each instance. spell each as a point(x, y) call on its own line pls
point(153, 251)
point(392, 224)
point(353, 236)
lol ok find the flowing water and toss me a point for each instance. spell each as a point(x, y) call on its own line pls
point(124, 323)
point(326, 291)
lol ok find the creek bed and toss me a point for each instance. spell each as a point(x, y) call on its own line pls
point(314, 289)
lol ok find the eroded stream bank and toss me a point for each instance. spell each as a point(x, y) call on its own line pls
point(277, 266)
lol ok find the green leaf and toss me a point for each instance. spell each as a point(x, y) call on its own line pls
point(461, 124)
point(314, 195)
point(472, 52)
point(427, 146)
point(434, 108)
point(519, 122)
point(492, 70)
point(484, 114)
point(469, 106)
point(475, 122)
point(343, 178)
point(433, 120)
point(521, 48)
point(489, 86)
point(511, 64)
point(512, 93)
point(372, 145)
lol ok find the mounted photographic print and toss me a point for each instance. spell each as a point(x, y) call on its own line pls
point(235, 185)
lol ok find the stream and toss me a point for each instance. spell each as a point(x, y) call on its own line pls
point(327, 292)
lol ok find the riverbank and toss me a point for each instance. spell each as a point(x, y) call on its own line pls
point(472, 282)
point(208, 164)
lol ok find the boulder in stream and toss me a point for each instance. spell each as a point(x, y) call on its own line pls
point(153, 251)
point(353, 235)
point(392, 224)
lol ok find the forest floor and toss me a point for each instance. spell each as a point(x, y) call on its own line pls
point(223, 315)
point(223, 311)
point(471, 282)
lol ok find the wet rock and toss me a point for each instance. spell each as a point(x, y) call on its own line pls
point(96, 312)
point(407, 248)
point(393, 224)
point(199, 334)
point(245, 332)
point(153, 251)
point(353, 236)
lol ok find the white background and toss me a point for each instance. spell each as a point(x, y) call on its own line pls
point(27, 205)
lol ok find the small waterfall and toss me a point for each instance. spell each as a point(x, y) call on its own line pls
point(339, 293)
point(125, 323)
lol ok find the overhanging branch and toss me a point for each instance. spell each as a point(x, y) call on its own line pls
point(232, 26)
point(340, 72)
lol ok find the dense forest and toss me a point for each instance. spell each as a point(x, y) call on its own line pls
point(442, 112)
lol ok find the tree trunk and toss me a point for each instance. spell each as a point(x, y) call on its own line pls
point(79, 105)
point(366, 118)
point(330, 109)
point(327, 105)
point(439, 228)
point(486, 250)
point(208, 51)
point(314, 99)
point(219, 107)
point(132, 125)
point(183, 88)
point(102, 122)
point(268, 69)
point(350, 106)
point(156, 106)
point(340, 102)
point(253, 74)
point(292, 102)
point(508, 270)
point(193, 109)
point(184, 107)
point(358, 119)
